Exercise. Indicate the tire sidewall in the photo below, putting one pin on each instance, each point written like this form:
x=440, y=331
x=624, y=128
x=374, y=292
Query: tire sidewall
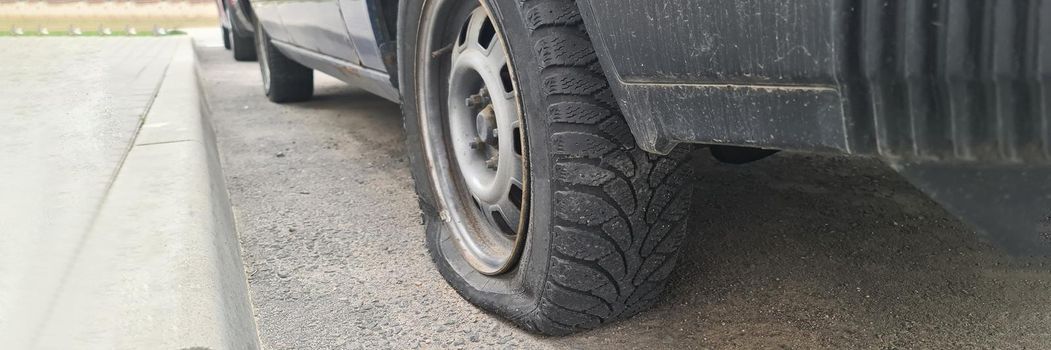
x=226, y=36
x=516, y=294
x=233, y=26
x=262, y=42
x=242, y=45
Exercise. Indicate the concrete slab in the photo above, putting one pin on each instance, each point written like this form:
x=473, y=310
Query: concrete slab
x=155, y=269
x=157, y=265
x=69, y=110
x=168, y=121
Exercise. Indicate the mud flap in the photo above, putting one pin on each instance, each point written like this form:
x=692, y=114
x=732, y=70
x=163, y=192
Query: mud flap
x=1009, y=204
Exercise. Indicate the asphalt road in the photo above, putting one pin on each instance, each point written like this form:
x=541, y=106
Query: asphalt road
x=795, y=251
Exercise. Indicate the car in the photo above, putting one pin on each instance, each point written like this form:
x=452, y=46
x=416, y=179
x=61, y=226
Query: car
x=224, y=22
x=237, y=28
x=550, y=139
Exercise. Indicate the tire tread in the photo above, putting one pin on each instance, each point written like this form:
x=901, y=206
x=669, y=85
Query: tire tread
x=618, y=211
x=242, y=42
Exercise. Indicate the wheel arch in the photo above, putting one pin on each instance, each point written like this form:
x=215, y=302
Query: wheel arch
x=243, y=12
x=384, y=17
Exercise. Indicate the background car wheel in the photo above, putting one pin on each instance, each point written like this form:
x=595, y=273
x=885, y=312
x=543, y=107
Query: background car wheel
x=241, y=41
x=226, y=37
x=601, y=220
x=284, y=80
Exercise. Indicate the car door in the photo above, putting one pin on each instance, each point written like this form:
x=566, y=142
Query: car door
x=268, y=14
x=358, y=17
x=317, y=25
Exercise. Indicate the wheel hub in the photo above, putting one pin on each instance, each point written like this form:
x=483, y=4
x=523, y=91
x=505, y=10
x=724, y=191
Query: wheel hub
x=488, y=140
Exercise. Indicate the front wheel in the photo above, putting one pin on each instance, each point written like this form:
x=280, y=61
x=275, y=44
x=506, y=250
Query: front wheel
x=537, y=203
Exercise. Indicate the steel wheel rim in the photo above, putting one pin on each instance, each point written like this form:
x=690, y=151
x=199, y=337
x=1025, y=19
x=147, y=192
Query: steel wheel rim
x=473, y=133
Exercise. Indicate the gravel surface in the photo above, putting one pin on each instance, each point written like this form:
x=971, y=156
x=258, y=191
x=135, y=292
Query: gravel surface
x=795, y=251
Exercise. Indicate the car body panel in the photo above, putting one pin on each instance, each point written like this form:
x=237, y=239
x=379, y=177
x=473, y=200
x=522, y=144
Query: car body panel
x=238, y=11
x=224, y=20
x=317, y=25
x=316, y=34
x=370, y=80
x=918, y=81
x=955, y=95
x=722, y=71
x=268, y=13
x=360, y=28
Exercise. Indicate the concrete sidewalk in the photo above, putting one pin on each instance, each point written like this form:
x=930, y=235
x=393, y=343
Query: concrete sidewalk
x=114, y=236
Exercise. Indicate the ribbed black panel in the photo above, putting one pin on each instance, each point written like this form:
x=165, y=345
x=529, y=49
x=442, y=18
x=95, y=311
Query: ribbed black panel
x=955, y=80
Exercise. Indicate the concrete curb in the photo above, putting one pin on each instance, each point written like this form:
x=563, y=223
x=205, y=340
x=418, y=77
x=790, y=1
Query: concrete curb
x=161, y=268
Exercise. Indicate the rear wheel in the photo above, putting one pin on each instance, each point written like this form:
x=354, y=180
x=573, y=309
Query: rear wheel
x=241, y=40
x=538, y=205
x=284, y=80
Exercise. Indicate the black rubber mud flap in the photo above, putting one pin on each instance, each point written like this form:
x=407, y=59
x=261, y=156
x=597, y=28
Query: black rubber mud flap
x=1009, y=204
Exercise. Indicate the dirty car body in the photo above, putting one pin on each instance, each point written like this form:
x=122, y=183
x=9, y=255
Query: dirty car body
x=237, y=12
x=955, y=95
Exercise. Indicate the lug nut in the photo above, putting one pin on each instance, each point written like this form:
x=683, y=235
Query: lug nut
x=477, y=143
x=474, y=101
x=493, y=139
x=479, y=99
